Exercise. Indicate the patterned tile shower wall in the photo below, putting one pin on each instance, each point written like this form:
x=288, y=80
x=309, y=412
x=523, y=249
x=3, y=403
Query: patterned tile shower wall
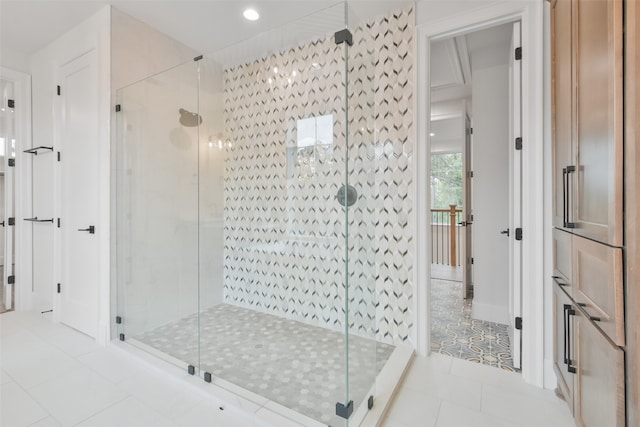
x=284, y=230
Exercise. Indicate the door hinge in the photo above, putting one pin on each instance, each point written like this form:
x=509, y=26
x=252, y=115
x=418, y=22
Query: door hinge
x=121, y=337
x=11, y=221
x=59, y=156
x=470, y=131
x=11, y=103
x=58, y=90
x=197, y=58
x=58, y=287
x=118, y=320
x=518, y=53
x=470, y=174
x=518, y=143
x=344, y=411
x=58, y=222
x=118, y=108
x=471, y=260
x=344, y=36
x=519, y=323
x=518, y=233
x=11, y=280
x=12, y=163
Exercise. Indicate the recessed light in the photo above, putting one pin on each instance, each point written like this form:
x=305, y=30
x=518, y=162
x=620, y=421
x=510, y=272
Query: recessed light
x=432, y=134
x=251, y=14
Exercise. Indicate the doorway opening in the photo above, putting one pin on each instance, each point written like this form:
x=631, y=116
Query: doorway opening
x=476, y=199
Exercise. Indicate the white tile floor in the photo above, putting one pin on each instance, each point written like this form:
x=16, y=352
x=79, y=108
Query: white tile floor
x=52, y=376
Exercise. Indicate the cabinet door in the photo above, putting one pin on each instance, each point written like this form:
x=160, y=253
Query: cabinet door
x=597, y=210
x=561, y=350
x=599, y=392
x=562, y=95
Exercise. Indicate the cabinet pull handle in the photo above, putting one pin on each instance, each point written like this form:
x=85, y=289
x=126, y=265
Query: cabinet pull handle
x=564, y=197
x=570, y=312
x=584, y=309
x=558, y=282
x=564, y=320
x=570, y=170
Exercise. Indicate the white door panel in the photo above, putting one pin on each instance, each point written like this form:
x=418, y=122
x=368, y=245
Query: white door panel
x=78, y=191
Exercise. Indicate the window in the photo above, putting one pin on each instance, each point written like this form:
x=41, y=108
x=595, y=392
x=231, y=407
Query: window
x=446, y=180
x=313, y=149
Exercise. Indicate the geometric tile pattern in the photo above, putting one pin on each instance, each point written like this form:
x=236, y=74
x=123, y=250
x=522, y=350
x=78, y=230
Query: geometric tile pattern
x=297, y=365
x=284, y=232
x=454, y=332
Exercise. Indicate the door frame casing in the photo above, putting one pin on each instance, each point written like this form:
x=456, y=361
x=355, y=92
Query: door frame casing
x=22, y=187
x=530, y=14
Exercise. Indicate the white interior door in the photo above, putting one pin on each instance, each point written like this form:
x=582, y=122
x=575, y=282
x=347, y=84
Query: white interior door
x=515, y=190
x=79, y=193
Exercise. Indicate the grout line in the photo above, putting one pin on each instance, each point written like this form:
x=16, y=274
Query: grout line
x=435, y=424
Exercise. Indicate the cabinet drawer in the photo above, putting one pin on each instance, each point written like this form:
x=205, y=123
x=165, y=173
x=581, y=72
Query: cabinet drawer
x=599, y=389
x=597, y=285
x=562, y=262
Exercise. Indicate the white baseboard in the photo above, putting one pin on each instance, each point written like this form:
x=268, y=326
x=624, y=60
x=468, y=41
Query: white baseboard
x=490, y=312
x=550, y=380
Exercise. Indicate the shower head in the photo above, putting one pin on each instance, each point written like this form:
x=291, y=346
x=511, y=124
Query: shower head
x=189, y=119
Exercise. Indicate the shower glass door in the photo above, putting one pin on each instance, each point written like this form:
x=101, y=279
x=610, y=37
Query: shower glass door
x=272, y=233
x=361, y=204
x=158, y=215
x=241, y=256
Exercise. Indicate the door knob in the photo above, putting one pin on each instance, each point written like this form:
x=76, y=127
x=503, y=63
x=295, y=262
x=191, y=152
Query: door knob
x=91, y=229
x=505, y=232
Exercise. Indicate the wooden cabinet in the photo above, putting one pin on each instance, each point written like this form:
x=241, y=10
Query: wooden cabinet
x=587, y=125
x=587, y=118
x=561, y=110
x=597, y=285
x=589, y=367
x=562, y=258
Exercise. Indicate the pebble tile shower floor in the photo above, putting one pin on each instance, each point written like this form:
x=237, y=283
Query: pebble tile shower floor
x=294, y=364
x=455, y=333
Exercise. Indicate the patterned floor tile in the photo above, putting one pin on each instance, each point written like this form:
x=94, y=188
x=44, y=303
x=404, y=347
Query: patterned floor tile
x=297, y=365
x=454, y=332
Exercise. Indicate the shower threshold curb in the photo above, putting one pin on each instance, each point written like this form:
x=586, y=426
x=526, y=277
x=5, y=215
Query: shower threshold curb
x=266, y=413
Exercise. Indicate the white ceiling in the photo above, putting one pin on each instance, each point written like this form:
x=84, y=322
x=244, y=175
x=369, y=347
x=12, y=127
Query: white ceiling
x=453, y=60
x=206, y=25
x=448, y=135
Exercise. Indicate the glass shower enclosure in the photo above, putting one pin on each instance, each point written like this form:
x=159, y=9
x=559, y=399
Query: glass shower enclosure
x=245, y=229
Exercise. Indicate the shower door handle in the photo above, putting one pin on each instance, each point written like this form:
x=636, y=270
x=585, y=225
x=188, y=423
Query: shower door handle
x=91, y=229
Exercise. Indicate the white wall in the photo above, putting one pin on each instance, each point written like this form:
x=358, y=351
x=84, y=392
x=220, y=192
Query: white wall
x=139, y=50
x=490, y=192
